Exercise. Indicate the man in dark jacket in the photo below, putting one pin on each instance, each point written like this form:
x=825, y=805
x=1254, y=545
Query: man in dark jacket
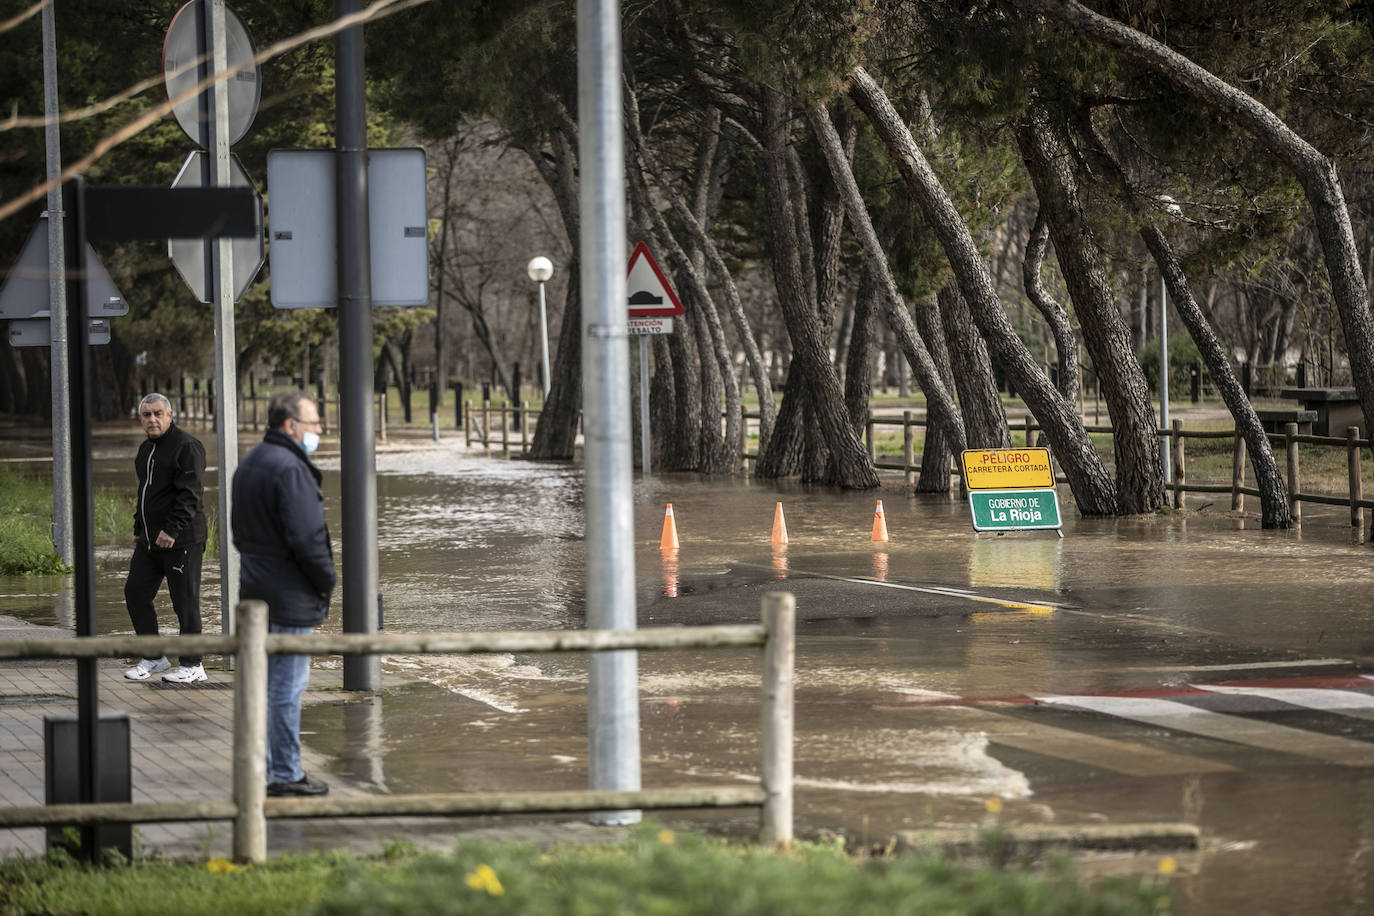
x=169, y=535
x=285, y=559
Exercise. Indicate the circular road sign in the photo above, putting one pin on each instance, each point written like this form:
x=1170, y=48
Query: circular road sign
x=186, y=64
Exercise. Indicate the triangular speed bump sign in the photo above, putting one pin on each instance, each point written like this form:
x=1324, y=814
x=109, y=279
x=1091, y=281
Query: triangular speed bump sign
x=25, y=290
x=649, y=292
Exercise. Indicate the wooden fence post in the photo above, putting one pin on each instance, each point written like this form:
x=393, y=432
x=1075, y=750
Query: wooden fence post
x=779, y=656
x=1176, y=433
x=1238, y=474
x=467, y=423
x=1352, y=451
x=250, y=732
x=908, y=448
x=505, y=429
x=524, y=427
x=1290, y=435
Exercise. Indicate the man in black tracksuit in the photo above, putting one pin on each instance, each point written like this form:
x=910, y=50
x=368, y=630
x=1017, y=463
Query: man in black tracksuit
x=169, y=535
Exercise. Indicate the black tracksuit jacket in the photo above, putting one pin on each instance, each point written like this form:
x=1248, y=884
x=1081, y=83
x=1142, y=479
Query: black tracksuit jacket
x=171, y=471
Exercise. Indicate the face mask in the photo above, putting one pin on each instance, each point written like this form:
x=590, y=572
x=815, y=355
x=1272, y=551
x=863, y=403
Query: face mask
x=310, y=442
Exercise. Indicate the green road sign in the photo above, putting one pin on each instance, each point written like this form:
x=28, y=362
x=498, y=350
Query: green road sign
x=1013, y=510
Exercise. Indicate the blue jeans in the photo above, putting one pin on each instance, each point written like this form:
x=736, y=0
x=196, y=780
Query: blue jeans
x=287, y=678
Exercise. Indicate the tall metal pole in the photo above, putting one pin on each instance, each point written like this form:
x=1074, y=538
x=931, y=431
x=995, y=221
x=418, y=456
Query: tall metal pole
x=222, y=291
x=544, y=337
x=359, y=465
x=57, y=303
x=613, y=690
x=83, y=510
x=1164, y=378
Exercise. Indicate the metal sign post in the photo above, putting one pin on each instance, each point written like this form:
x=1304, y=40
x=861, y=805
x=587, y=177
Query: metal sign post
x=205, y=39
x=57, y=303
x=359, y=479
x=613, y=688
x=117, y=214
x=226, y=362
x=652, y=303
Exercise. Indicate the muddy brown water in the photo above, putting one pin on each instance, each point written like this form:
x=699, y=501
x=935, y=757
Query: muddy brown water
x=898, y=645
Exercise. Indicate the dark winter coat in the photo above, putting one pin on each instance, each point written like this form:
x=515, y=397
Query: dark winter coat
x=285, y=555
x=170, y=472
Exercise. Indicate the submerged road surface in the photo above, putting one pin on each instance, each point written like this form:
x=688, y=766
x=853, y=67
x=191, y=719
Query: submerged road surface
x=1182, y=667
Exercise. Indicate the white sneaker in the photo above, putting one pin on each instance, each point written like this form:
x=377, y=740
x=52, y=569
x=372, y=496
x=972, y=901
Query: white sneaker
x=149, y=666
x=184, y=674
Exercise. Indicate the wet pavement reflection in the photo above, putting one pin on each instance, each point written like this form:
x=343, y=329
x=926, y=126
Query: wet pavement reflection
x=917, y=659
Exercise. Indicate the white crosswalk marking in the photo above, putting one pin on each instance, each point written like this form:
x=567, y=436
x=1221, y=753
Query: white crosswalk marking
x=1254, y=733
x=1107, y=753
x=1346, y=702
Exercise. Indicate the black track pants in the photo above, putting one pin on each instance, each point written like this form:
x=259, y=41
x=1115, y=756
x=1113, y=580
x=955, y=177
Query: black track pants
x=180, y=566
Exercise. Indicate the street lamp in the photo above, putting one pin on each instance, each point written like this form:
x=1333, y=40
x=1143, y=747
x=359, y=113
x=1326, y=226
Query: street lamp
x=540, y=269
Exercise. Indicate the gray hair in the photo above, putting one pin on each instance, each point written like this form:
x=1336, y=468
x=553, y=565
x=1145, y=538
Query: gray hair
x=154, y=398
x=286, y=405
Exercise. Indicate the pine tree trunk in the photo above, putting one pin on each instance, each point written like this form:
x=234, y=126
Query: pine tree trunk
x=682, y=440
x=1092, y=488
x=783, y=456
x=724, y=456
x=1135, y=438
x=1273, y=493
x=1065, y=343
x=858, y=382
x=941, y=410
x=663, y=403
x=1274, y=512
x=985, y=420
x=703, y=247
x=555, y=435
x=937, y=454
x=791, y=270
x=1317, y=174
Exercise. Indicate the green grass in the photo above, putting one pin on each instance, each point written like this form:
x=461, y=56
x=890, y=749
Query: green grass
x=655, y=871
x=26, y=546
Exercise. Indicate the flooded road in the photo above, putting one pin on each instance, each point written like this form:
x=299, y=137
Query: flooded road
x=933, y=672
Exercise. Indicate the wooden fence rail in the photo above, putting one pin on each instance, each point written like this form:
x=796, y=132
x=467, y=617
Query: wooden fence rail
x=480, y=425
x=1285, y=443
x=249, y=808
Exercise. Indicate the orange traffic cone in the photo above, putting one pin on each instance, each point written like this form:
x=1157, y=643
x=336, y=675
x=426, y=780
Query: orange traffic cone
x=779, y=526
x=669, y=539
x=879, y=523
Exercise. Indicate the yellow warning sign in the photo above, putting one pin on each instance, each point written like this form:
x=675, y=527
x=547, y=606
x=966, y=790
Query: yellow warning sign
x=1008, y=469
